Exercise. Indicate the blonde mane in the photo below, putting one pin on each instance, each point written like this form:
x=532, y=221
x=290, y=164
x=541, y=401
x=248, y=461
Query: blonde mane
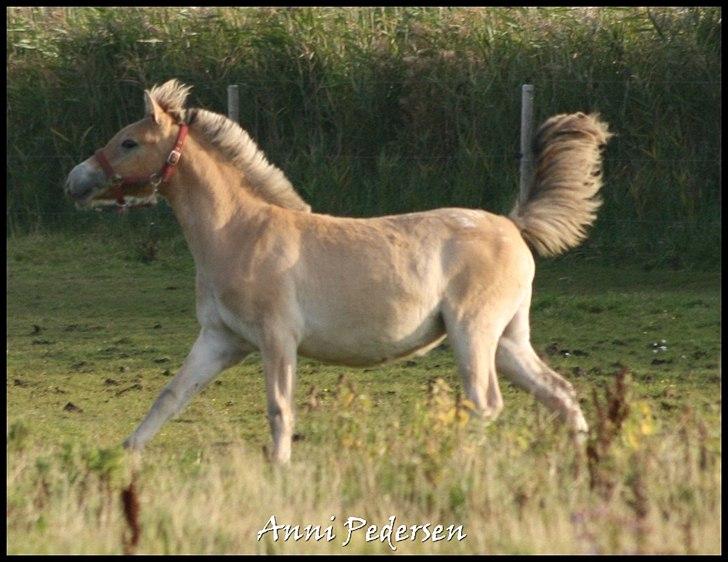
x=265, y=180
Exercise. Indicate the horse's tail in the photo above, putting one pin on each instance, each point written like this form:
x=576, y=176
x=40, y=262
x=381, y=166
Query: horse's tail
x=562, y=200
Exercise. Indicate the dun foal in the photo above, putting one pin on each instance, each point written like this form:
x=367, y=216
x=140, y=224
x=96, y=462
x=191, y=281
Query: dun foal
x=272, y=276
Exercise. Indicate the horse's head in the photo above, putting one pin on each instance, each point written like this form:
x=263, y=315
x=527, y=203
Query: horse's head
x=135, y=160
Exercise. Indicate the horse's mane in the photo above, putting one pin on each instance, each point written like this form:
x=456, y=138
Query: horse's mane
x=266, y=180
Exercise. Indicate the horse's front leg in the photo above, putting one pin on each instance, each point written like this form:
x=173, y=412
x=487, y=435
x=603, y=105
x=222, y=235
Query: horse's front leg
x=278, y=353
x=214, y=351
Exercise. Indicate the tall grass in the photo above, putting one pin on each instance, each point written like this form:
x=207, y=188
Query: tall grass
x=522, y=489
x=384, y=110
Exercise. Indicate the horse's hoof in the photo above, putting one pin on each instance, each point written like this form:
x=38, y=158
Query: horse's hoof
x=131, y=445
x=580, y=437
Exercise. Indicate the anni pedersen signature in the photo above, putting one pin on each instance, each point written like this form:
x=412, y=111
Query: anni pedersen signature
x=390, y=532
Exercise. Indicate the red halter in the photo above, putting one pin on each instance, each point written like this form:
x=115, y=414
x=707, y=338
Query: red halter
x=119, y=182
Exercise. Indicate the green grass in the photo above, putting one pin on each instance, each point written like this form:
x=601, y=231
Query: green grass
x=92, y=324
x=381, y=110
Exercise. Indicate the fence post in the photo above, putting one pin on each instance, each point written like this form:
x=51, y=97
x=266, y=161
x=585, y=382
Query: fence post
x=233, y=102
x=526, y=140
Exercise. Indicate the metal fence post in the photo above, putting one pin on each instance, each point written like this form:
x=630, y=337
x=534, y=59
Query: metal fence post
x=526, y=167
x=233, y=102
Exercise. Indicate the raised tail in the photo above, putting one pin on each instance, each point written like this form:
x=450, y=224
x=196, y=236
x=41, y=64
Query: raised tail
x=563, y=199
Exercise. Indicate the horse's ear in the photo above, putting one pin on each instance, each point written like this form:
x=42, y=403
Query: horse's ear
x=151, y=108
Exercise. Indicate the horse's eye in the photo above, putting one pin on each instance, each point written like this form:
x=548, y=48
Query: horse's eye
x=128, y=143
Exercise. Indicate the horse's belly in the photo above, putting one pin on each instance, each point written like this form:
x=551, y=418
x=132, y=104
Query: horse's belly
x=371, y=345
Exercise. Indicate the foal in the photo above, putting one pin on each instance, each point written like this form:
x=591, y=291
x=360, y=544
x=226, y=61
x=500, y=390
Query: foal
x=272, y=276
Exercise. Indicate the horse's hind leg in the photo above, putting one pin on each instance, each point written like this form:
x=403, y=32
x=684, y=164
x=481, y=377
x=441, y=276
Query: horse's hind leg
x=516, y=359
x=474, y=345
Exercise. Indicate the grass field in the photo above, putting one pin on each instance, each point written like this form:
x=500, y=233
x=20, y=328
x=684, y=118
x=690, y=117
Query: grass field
x=95, y=329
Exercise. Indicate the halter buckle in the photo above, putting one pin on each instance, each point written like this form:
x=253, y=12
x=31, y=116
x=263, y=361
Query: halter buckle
x=123, y=204
x=174, y=157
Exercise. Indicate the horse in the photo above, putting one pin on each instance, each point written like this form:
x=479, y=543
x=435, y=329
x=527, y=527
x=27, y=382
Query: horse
x=273, y=276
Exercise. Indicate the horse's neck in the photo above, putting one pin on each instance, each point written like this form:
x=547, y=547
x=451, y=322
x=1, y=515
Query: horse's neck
x=212, y=205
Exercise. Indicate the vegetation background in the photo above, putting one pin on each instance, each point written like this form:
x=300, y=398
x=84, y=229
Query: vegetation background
x=385, y=110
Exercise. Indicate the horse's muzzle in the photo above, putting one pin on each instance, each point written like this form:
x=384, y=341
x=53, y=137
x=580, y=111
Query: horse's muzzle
x=83, y=182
